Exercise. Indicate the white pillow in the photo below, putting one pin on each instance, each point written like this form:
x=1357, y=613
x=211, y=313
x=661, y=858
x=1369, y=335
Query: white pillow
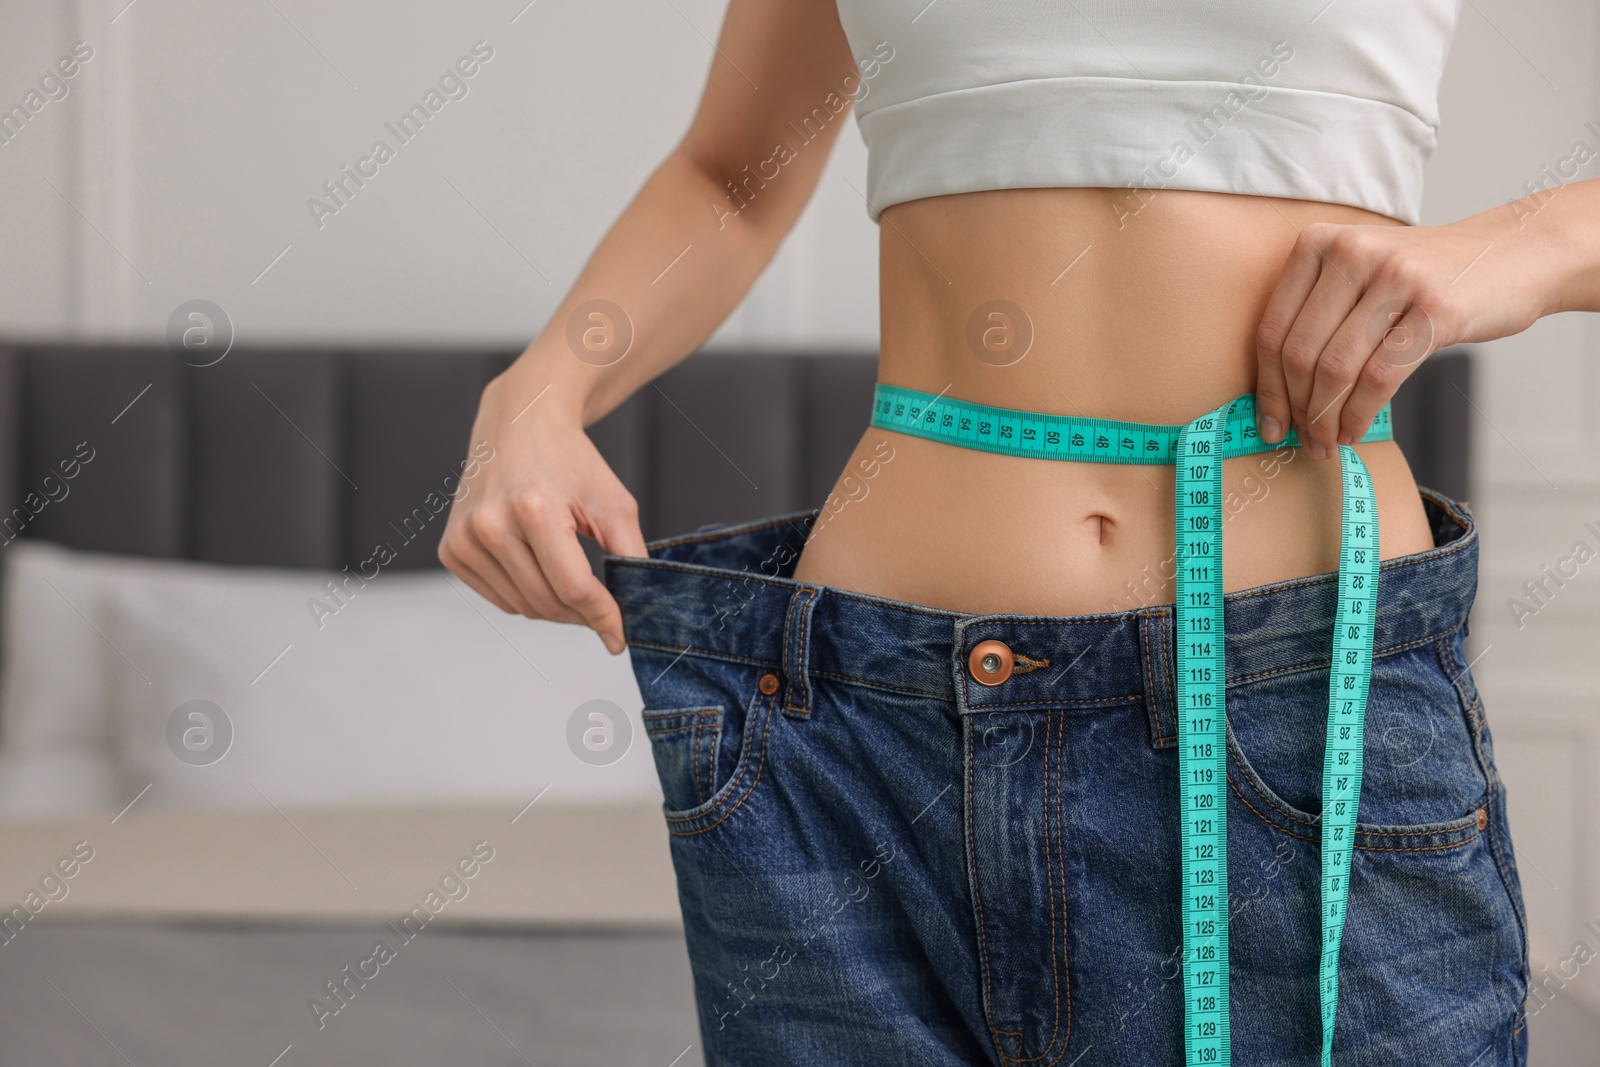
x=55, y=722
x=414, y=689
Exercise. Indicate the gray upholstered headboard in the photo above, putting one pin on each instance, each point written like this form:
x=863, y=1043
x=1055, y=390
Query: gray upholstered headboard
x=311, y=457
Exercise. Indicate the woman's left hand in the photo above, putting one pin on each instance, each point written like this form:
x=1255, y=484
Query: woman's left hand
x=1358, y=308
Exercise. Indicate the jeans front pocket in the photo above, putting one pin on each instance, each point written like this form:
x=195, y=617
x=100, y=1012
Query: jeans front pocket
x=684, y=744
x=1421, y=779
x=707, y=720
x=1431, y=955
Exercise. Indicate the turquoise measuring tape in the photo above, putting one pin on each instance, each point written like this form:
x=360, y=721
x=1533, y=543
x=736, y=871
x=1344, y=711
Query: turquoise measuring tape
x=1197, y=451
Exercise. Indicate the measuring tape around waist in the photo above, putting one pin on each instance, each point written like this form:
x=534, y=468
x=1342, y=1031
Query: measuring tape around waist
x=1197, y=451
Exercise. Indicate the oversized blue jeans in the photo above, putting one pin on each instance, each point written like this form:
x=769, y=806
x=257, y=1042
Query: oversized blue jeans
x=881, y=861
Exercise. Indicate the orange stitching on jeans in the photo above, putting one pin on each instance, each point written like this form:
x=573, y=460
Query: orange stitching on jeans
x=1474, y=704
x=1023, y=664
x=788, y=624
x=674, y=729
x=708, y=653
x=1281, y=829
x=744, y=771
x=1057, y=929
x=771, y=704
x=1050, y=889
x=1418, y=848
x=1169, y=675
x=1359, y=834
x=836, y=676
x=1059, y=949
x=1009, y=705
x=1248, y=775
x=804, y=658
x=1156, y=696
x=701, y=736
x=1318, y=664
x=1093, y=620
x=977, y=899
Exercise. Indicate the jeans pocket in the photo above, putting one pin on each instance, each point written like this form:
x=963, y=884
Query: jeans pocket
x=684, y=743
x=707, y=721
x=1423, y=785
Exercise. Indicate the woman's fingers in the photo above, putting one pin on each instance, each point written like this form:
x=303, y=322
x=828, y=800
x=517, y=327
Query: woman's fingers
x=617, y=527
x=1324, y=311
x=517, y=556
x=1335, y=353
x=1300, y=271
x=1345, y=359
x=553, y=535
x=457, y=565
x=1406, y=341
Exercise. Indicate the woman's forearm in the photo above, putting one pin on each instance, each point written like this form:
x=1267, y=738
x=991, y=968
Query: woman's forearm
x=1563, y=223
x=669, y=271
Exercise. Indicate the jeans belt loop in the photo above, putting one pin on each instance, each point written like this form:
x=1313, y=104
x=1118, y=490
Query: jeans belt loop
x=797, y=652
x=1156, y=653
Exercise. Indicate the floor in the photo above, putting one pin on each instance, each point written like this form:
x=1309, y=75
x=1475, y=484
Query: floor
x=89, y=994
x=110, y=994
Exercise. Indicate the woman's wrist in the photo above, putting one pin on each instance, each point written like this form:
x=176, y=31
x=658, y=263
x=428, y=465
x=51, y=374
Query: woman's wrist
x=1556, y=240
x=555, y=383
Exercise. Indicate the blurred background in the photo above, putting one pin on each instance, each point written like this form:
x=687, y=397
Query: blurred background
x=245, y=709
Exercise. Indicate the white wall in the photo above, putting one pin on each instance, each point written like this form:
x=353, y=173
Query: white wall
x=1522, y=82
x=194, y=137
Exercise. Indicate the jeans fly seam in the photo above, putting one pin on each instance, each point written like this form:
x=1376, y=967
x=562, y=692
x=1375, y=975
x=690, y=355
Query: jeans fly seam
x=977, y=899
x=1059, y=949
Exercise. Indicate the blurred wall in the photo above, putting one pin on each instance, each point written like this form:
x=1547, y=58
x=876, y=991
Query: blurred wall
x=1521, y=92
x=180, y=162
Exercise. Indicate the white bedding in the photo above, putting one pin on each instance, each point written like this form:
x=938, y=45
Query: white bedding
x=411, y=690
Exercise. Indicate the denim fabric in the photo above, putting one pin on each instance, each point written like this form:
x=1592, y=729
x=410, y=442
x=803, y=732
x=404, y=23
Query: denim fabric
x=882, y=862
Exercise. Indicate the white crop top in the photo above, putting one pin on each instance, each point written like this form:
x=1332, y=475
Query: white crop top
x=1309, y=99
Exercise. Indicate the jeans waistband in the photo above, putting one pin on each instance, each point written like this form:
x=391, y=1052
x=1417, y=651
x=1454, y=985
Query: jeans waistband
x=726, y=592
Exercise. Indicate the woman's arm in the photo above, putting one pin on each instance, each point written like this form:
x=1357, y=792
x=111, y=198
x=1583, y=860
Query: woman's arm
x=1359, y=307
x=669, y=271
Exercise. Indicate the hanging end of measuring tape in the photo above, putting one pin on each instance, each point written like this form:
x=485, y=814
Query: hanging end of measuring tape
x=1349, y=685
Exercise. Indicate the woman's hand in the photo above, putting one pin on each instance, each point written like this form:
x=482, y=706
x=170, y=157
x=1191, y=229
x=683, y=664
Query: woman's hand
x=1358, y=308
x=513, y=529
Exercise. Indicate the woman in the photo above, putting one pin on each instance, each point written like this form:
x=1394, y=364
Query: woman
x=922, y=755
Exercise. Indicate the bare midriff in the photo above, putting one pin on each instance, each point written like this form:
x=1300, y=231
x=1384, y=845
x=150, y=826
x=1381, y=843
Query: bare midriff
x=1137, y=307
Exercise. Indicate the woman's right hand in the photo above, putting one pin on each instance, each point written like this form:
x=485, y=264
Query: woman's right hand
x=514, y=524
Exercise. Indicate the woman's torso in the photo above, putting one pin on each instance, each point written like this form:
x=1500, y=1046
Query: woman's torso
x=1133, y=305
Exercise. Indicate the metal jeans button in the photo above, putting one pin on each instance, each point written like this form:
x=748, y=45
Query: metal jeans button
x=990, y=662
